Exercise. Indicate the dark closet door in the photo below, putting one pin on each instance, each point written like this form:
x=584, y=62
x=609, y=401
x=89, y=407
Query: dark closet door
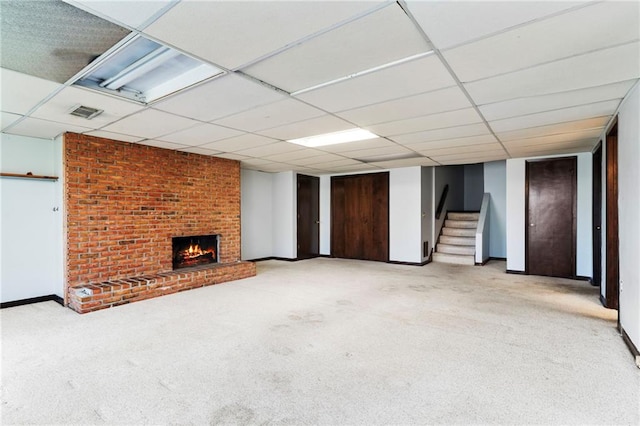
x=360, y=216
x=308, y=206
x=597, y=215
x=551, y=217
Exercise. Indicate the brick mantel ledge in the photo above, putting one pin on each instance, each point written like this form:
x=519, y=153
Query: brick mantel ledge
x=95, y=296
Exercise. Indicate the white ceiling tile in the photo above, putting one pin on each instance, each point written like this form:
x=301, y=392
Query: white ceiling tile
x=275, y=167
x=8, y=119
x=21, y=92
x=427, y=122
x=461, y=149
x=234, y=33
x=434, y=102
x=114, y=136
x=312, y=127
x=200, y=150
x=378, y=152
x=552, y=129
x=417, y=76
x=271, y=149
x=379, y=38
x=579, y=72
x=477, y=129
x=307, y=170
x=533, y=104
x=257, y=162
x=556, y=116
x=45, y=129
x=448, y=23
x=474, y=159
x=272, y=115
x=408, y=162
x=582, y=30
x=238, y=143
x=498, y=153
x=361, y=167
x=295, y=155
x=58, y=107
x=150, y=124
x=358, y=145
x=589, y=134
x=232, y=156
x=447, y=143
x=162, y=144
x=342, y=162
x=131, y=13
x=320, y=159
x=201, y=134
x=551, y=149
x=218, y=98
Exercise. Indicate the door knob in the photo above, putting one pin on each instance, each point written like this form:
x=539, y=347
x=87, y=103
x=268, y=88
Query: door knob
x=598, y=228
x=532, y=224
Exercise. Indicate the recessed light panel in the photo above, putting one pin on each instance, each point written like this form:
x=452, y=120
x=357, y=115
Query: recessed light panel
x=351, y=135
x=144, y=71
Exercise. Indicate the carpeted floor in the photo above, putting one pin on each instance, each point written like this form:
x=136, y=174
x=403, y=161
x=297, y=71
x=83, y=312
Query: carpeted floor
x=328, y=341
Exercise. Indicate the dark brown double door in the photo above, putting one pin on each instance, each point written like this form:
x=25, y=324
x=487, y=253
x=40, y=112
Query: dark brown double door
x=360, y=216
x=551, y=217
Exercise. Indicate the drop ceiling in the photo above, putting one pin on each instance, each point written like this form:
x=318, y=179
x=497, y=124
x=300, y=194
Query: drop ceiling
x=439, y=82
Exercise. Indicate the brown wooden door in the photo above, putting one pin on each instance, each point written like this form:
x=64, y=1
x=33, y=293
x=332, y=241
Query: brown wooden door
x=612, y=243
x=597, y=215
x=308, y=206
x=360, y=216
x=551, y=212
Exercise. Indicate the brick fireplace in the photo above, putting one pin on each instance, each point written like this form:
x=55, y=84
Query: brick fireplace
x=126, y=204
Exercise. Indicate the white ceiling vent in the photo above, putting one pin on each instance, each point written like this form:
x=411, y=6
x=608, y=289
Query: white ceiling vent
x=85, y=111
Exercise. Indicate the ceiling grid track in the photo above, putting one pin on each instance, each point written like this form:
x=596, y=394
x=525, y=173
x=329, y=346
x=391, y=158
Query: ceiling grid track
x=437, y=52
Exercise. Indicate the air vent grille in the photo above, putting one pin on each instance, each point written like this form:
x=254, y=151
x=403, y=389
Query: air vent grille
x=85, y=112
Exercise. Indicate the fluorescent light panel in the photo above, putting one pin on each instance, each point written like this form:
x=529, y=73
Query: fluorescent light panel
x=145, y=71
x=345, y=136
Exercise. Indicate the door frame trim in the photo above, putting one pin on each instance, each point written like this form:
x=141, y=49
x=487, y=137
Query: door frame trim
x=574, y=219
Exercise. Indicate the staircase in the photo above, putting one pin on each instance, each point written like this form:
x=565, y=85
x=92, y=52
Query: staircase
x=457, y=242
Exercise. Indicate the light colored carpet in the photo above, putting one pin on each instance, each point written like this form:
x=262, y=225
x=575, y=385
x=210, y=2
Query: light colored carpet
x=328, y=341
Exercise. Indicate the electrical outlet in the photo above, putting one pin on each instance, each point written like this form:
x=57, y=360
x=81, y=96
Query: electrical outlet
x=621, y=286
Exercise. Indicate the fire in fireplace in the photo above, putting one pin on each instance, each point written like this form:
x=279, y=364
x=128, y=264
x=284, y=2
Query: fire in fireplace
x=194, y=250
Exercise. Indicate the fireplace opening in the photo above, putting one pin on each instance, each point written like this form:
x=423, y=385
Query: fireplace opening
x=194, y=250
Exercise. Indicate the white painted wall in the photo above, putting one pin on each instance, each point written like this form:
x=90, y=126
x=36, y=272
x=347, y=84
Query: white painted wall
x=628, y=214
x=256, y=214
x=284, y=215
x=495, y=183
x=473, y=186
x=325, y=215
x=405, y=215
x=515, y=171
x=428, y=208
x=28, y=222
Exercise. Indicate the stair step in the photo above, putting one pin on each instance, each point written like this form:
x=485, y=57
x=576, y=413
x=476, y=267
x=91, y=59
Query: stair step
x=458, y=241
x=463, y=215
x=461, y=223
x=452, y=249
x=454, y=258
x=459, y=232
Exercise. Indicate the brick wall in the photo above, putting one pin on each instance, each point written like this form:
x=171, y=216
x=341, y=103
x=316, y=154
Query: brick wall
x=124, y=203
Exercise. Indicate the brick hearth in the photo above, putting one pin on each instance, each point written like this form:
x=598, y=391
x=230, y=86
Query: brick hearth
x=124, y=203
